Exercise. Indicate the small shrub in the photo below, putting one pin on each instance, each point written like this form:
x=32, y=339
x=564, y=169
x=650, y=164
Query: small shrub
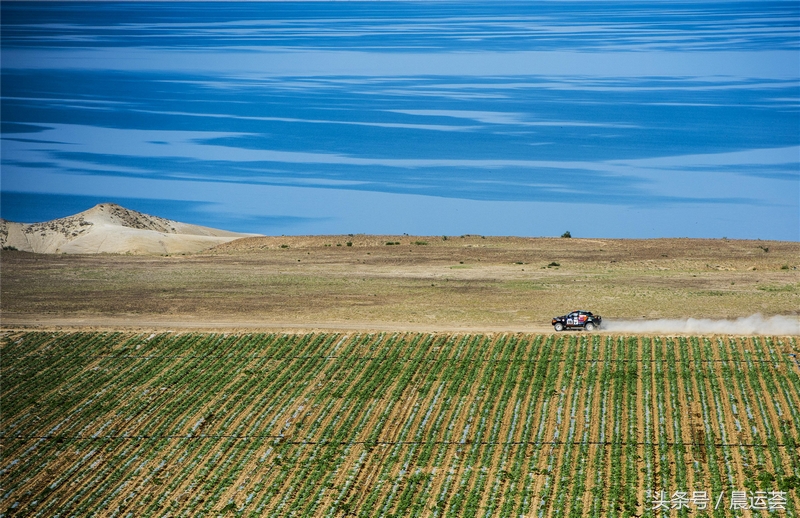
x=764, y=248
x=553, y=264
x=785, y=267
x=284, y=246
x=9, y=247
x=349, y=243
x=566, y=234
x=771, y=288
x=444, y=238
x=420, y=242
x=392, y=243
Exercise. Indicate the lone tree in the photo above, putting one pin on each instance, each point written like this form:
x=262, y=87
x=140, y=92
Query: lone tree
x=566, y=234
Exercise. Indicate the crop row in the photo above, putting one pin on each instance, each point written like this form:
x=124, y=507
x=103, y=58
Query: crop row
x=390, y=424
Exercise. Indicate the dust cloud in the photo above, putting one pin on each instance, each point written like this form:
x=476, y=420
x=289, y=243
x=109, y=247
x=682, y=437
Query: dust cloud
x=752, y=325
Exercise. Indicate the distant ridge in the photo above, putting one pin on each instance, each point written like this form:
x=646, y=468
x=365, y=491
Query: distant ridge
x=111, y=228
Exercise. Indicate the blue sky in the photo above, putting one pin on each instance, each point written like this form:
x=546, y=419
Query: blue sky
x=608, y=119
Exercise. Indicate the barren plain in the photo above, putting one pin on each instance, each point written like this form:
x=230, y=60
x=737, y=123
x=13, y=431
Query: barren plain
x=433, y=283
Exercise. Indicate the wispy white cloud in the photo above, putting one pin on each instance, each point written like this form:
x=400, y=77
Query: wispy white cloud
x=73, y=101
x=271, y=62
x=95, y=149
x=486, y=117
x=201, y=145
x=509, y=118
x=399, y=125
x=771, y=156
x=703, y=25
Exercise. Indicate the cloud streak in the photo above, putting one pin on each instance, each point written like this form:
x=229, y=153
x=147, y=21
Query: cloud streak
x=267, y=62
x=227, y=157
x=589, y=26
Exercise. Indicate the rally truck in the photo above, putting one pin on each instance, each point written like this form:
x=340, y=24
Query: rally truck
x=577, y=320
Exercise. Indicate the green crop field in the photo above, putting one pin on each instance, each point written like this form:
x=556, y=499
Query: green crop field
x=398, y=424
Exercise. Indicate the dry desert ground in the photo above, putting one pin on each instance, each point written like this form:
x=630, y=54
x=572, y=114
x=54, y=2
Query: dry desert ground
x=432, y=283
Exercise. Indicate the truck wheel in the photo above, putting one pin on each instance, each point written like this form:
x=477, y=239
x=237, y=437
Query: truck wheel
x=589, y=327
x=559, y=326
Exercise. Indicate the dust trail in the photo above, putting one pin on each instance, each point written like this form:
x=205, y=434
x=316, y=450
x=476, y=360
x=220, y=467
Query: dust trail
x=752, y=325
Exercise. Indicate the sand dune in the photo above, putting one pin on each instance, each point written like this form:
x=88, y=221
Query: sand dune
x=110, y=228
